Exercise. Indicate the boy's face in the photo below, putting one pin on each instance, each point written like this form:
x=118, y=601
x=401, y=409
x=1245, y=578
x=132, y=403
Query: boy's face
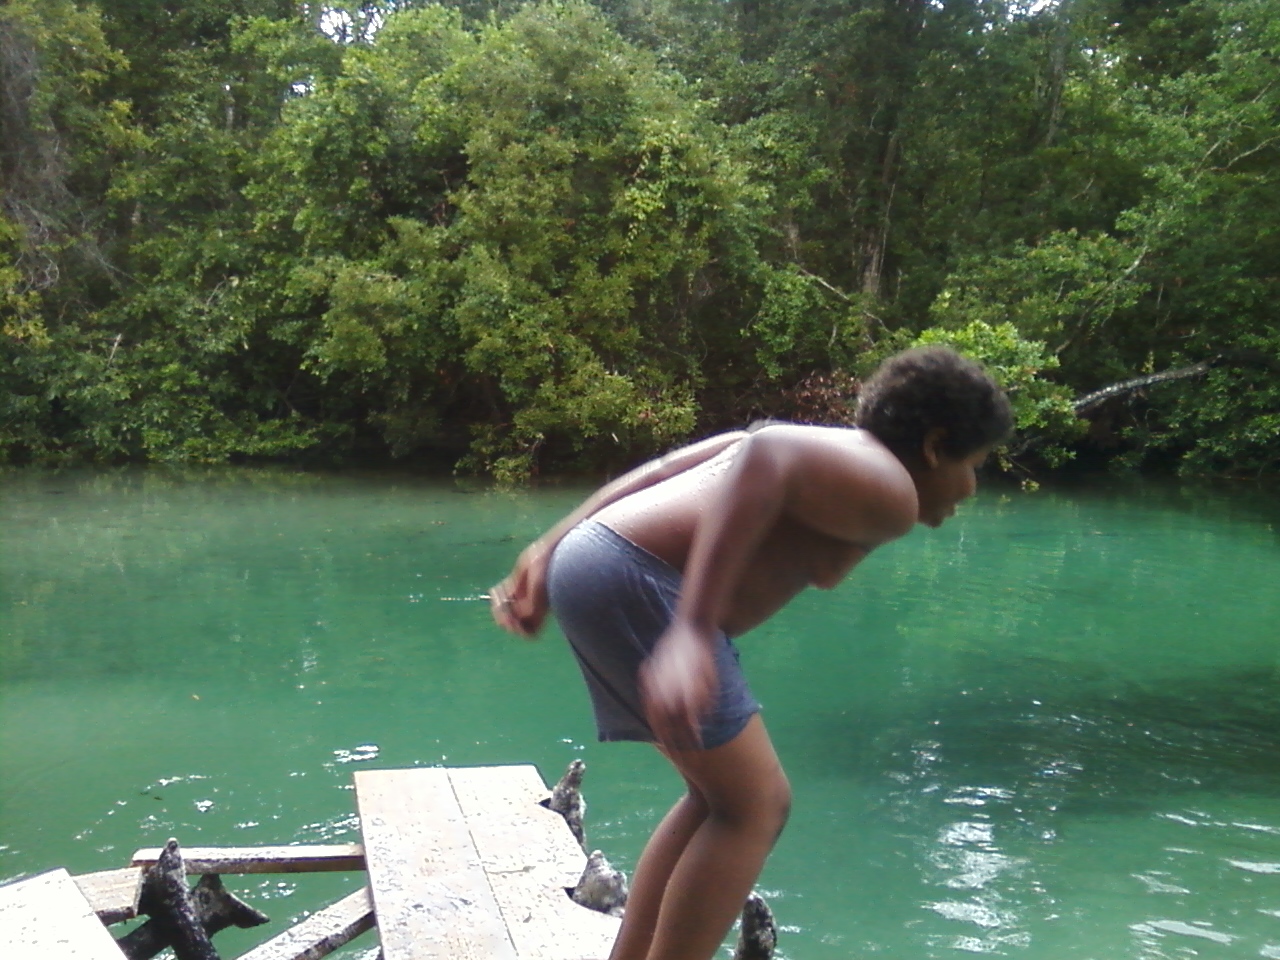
x=944, y=482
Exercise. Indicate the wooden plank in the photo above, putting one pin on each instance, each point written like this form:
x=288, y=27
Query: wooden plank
x=321, y=933
x=530, y=857
x=430, y=893
x=48, y=918
x=113, y=894
x=315, y=858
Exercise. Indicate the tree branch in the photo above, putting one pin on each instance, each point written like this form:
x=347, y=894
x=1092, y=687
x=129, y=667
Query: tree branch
x=1089, y=401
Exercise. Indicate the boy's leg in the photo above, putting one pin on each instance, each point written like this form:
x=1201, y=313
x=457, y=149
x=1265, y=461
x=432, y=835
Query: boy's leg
x=653, y=872
x=747, y=800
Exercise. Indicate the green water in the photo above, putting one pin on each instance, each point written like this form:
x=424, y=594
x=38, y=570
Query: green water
x=1049, y=730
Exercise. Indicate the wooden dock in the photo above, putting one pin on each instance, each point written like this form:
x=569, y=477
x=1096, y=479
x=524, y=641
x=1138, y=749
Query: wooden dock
x=463, y=863
x=49, y=917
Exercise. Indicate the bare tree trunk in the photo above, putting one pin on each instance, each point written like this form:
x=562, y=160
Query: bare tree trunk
x=871, y=253
x=1057, y=73
x=315, y=12
x=35, y=189
x=877, y=234
x=33, y=186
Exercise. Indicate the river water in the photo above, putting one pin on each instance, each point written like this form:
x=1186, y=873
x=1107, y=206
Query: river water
x=1050, y=729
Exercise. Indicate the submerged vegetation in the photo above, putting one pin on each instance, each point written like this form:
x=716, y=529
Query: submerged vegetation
x=563, y=235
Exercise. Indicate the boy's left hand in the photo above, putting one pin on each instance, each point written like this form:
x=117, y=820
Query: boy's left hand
x=519, y=604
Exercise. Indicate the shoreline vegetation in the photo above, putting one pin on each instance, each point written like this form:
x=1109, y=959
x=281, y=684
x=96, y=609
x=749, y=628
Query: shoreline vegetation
x=539, y=239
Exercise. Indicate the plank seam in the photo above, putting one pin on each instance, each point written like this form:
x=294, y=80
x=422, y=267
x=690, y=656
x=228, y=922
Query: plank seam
x=475, y=847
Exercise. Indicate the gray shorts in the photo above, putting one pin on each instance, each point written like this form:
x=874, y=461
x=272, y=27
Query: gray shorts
x=613, y=601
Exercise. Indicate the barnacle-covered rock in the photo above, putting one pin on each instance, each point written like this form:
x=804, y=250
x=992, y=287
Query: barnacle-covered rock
x=601, y=887
x=758, y=936
x=567, y=800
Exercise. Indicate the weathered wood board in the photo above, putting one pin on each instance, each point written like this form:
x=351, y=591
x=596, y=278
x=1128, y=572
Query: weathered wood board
x=429, y=889
x=530, y=857
x=316, y=858
x=466, y=862
x=47, y=918
x=113, y=894
x=321, y=933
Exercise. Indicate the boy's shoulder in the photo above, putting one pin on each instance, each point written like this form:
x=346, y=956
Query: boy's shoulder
x=853, y=442
x=845, y=477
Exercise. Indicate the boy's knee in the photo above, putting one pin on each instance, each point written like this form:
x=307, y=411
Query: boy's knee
x=764, y=809
x=774, y=808
x=781, y=806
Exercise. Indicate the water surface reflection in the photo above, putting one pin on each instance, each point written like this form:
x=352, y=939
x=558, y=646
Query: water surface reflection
x=1048, y=730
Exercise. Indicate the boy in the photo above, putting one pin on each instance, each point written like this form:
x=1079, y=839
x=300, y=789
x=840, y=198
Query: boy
x=655, y=572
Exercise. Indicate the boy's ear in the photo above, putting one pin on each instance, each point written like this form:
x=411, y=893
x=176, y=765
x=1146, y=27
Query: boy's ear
x=931, y=449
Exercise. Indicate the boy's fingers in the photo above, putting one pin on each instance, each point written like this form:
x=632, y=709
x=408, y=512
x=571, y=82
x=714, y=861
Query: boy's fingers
x=502, y=606
x=677, y=729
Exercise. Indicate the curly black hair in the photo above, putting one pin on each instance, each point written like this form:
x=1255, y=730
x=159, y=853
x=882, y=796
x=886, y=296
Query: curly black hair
x=925, y=388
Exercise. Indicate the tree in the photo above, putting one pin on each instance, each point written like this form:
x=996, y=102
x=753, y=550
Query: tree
x=1207, y=246
x=568, y=234
x=519, y=228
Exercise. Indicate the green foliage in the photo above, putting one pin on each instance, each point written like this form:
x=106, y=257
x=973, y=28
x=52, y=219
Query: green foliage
x=1206, y=229
x=568, y=234
x=57, y=134
x=19, y=303
x=505, y=225
x=23, y=340
x=800, y=327
x=1064, y=290
x=1225, y=423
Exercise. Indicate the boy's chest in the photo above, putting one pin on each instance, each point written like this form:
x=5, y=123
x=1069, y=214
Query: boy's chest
x=790, y=558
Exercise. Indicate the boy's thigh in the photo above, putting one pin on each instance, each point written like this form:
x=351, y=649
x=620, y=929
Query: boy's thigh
x=743, y=776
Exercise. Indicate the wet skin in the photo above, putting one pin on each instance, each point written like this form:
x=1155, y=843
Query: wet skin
x=750, y=520
x=791, y=555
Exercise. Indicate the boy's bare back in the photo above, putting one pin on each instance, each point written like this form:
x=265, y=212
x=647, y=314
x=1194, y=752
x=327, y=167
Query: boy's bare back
x=793, y=552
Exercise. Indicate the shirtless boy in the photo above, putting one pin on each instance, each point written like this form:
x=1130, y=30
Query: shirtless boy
x=651, y=576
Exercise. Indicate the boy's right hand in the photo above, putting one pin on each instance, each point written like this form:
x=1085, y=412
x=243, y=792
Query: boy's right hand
x=679, y=685
x=519, y=604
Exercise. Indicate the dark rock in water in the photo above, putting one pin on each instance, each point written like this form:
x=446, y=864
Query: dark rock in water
x=215, y=907
x=601, y=888
x=219, y=908
x=758, y=936
x=167, y=899
x=567, y=800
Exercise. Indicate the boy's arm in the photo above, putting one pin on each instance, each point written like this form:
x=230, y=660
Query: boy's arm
x=816, y=477
x=519, y=603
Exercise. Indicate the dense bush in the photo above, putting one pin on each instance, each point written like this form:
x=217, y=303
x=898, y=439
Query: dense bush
x=564, y=235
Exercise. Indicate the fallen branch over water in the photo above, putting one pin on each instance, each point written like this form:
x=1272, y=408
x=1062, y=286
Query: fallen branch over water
x=1089, y=401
